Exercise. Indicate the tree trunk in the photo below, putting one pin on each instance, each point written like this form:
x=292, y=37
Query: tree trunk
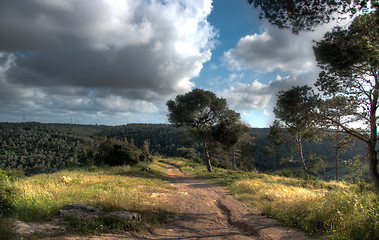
x=300, y=148
x=207, y=159
x=371, y=145
x=373, y=167
x=234, y=159
x=337, y=163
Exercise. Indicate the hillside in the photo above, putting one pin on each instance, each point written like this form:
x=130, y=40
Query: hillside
x=36, y=147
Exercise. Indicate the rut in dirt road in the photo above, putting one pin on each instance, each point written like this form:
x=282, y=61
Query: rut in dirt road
x=207, y=211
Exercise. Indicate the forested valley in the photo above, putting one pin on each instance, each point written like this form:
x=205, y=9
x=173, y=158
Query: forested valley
x=38, y=147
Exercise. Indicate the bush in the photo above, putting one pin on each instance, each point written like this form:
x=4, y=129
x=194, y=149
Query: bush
x=188, y=153
x=7, y=193
x=284, y=173
x=115, y=152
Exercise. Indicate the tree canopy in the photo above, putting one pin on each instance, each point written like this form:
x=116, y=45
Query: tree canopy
x=293, y=113
x=207, y=117
x=300, y=15
x=349, y=81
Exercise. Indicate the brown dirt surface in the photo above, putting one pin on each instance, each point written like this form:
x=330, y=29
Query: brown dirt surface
x=206, y=211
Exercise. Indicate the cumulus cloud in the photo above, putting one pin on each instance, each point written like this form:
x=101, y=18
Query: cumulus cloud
x=271, y=50
x=100, y=55
x=275, y=49
x=246, y=97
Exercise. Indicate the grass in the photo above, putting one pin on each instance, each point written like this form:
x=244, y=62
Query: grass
x=337, y=210
x=41, y=196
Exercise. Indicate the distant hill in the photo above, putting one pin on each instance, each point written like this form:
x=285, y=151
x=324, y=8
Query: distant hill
x=35, y=147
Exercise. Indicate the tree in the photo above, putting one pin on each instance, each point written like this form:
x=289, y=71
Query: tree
x=300, y=15
x=114, y=152
x=207, y=117
x=349, y=59
x=293, y=114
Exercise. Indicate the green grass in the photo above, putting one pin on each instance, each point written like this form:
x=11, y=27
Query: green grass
x=40, y=197
x=339, y=210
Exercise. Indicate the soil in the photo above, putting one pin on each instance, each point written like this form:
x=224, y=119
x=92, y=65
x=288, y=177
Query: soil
x=206, y=211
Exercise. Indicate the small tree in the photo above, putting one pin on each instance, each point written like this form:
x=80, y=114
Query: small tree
x=114, y=152
x=293, y=116
x=207, y=117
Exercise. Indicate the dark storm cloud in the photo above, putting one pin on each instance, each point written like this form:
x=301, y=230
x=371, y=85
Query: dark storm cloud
x=96, y=52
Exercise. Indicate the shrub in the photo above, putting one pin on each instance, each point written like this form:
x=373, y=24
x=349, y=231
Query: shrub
x=188, y=153
x=115, y=152
x=7, y=193
x=284, y=173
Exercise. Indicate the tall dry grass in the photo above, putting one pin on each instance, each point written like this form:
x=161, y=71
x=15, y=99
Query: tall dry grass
x=340, y=210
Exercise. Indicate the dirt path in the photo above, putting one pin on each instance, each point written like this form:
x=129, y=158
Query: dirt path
x=207, y=211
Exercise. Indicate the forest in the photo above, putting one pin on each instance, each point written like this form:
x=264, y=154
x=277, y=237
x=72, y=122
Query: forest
x=40, y=147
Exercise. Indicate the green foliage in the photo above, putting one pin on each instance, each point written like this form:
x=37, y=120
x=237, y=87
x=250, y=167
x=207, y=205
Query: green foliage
x=36, y=147
x=7, y=191
x=188, y=153
x=349, y=81
x=306, y=15
x=207, y=118
x=164, y=138
x=293, y=110
x=284, y=173
x=114, y=152
x=7, y=194
x=295, y=122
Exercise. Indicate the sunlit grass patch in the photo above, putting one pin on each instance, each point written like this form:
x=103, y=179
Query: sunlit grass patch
x=40, y=197
x=334, y=208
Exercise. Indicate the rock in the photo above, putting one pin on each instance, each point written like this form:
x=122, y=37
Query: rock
x=81, y=207
x=123, y=215
x=147, y=169
x=79, y=211
x=88, y=212
x=23, y=228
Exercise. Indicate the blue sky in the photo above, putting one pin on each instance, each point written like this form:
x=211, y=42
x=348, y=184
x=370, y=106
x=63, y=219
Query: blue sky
x=115, y=62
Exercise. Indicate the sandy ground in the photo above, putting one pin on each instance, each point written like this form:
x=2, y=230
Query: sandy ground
x=207, y=211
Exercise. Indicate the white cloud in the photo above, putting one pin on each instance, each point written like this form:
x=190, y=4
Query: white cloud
x=101, y=55
x=247, y=96
x=258, y=95
x=275, y=49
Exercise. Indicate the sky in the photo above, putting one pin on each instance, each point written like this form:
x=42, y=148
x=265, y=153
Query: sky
x=114, y=62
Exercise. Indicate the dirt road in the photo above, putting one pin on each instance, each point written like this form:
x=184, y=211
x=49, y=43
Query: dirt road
x=207, y=211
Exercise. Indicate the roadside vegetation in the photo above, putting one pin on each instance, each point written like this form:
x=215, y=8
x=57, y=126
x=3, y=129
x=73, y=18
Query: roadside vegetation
x=119, y=188
x=338, y=210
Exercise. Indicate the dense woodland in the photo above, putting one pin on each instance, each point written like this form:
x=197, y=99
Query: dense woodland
x=36, y=147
